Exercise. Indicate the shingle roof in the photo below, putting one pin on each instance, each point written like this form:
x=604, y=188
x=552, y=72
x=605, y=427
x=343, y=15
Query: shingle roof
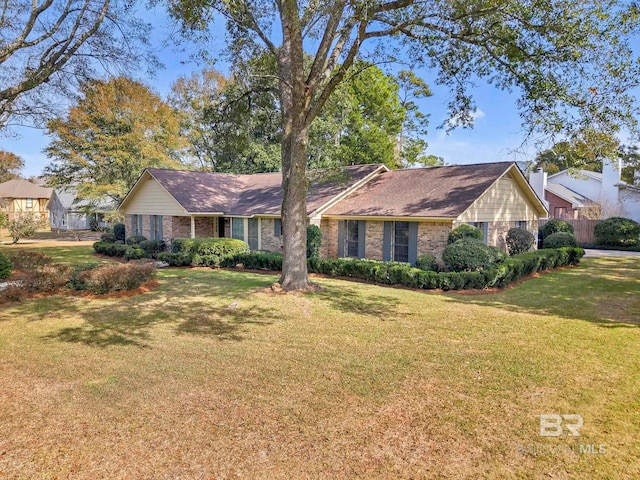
x=439, y=192
x=20, y=188
x=577, y=200
x=246, y=195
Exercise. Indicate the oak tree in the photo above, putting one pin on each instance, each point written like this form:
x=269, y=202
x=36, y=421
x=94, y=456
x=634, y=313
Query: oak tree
x=570, y=61
x=116, y=130
x=10, y=166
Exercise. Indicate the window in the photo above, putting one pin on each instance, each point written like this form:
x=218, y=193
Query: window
x=155, y=231
x=277, y=227
x=351, y=238
x=253, y=233
x=29, y=203
x=400, y=245
x=136, y=225
x=522, y=224
x=560, y=212
x=400, y=242
x=483, y=227
x=237, y=228
x=248, y=230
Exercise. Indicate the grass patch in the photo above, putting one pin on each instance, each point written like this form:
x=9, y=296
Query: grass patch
x=212, y=375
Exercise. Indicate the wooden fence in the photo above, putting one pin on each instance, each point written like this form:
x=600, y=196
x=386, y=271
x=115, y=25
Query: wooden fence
x=582, y=229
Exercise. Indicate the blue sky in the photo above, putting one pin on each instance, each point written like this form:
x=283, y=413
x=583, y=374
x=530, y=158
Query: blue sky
x=497, y=135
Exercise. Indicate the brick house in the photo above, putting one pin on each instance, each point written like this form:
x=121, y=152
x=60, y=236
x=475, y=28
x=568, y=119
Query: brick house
x=365, y=211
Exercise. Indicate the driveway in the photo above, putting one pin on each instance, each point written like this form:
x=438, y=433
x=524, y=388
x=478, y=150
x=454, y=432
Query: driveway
x=592, y=252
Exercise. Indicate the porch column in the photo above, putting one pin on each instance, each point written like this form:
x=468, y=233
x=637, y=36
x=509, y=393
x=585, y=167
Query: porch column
x=193, y=226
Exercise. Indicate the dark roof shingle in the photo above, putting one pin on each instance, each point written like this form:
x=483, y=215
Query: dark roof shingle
x=438, y=192
x=246, y=195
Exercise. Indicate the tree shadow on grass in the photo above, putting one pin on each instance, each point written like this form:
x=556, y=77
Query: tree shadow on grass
x=130, y=325
x=603, y=291
x=351, y=300
x=226, y=323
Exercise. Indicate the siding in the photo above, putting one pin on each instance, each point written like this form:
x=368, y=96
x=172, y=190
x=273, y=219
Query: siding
x=503, y=202
x=151, y=199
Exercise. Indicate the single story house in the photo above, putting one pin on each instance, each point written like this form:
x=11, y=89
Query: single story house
x=576, y=194
x=368, y=211
x=20, y=196
x=69, y=214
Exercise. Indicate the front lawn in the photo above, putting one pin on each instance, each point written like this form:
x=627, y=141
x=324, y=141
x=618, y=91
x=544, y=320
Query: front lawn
x=211, y=375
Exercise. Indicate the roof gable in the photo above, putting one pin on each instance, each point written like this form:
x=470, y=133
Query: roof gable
x=245, y=195
x=438, y=192
x=20, y=188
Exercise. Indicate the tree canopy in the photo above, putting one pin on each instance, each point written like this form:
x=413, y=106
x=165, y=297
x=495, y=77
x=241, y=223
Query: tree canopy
x=48, y=47
x=234, y=123
x=10, y=166
x=569, y=60
x=116, y=129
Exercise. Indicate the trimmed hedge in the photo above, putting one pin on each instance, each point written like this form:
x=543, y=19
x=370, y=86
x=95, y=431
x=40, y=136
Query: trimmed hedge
x=470, y=254
x=617, y=231
x=519, y=241
x=560, y=240
x=427, y=262
x=110, y=249
x=394, y=273
x=554, y=226
x=221, y=247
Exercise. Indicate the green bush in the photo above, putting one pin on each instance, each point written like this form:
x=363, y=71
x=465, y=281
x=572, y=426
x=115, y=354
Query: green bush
x=257, y=260
x=427, y=262
x=152, y=247
x=133, y=253
x=119, y=231
x=314, y=240
x=110, y=249
x=175, y=259
x=115, y=277
x=28, y=260
x=560, y=240
x=618, y=231
x=470, y=254
x=519, y=241
x=215, y=250
x=554, y=226
x=464, y=231
x=135, y=239
x=5, y=266
x=108, y=237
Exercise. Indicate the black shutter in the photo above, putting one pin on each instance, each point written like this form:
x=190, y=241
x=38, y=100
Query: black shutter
x=362, y=230
x=413, y=242
x=341, y=225
x=386, y=241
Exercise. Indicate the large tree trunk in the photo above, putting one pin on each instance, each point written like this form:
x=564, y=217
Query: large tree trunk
x=294, y=103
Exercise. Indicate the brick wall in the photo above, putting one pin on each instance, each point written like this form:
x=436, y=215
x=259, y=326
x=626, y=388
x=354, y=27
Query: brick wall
x=268, y=241
x=180, y=227
x=432, y=237
x=204, y=227
x=373, y=240
x=329, y=245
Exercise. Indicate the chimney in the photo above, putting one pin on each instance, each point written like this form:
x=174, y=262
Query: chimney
x=538, y=181
x=610, y=180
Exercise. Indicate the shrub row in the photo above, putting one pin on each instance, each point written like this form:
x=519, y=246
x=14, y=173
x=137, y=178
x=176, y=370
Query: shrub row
x=5, y=266
x=111, y=278
x=395, y=273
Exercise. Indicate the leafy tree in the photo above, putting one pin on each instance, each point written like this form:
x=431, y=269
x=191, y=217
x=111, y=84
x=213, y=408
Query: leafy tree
x=116, y=129
x=24, y=226
x=47, y=47
x=570, y=61
x=10, y=165
x=411, y=146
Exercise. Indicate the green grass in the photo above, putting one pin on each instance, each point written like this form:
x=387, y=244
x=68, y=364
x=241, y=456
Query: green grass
x=63, y=252
x=211, y=375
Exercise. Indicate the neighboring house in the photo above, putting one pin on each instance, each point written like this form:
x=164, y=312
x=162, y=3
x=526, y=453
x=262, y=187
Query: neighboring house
x=67, y=214
x=371, y=212
x=20, y=196
x=585, y=194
